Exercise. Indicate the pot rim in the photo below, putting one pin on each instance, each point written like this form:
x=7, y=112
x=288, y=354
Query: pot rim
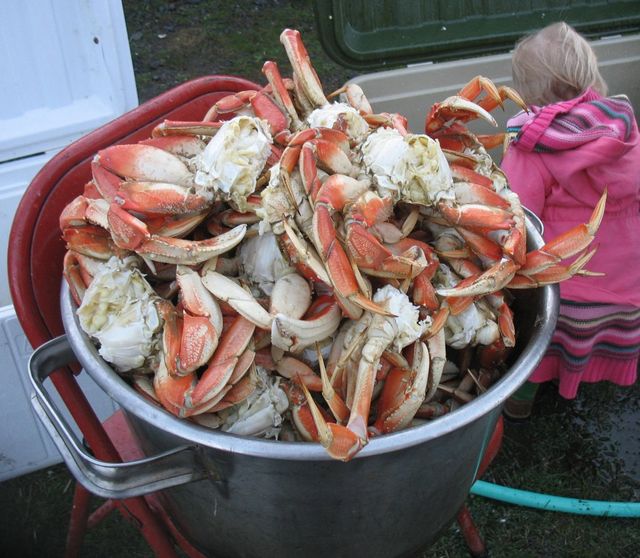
x=123, y=394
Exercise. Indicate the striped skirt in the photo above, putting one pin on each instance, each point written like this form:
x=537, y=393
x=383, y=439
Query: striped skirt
x=593, y=342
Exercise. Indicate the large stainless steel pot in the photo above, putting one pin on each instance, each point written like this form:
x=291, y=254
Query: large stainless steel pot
x=242, y=497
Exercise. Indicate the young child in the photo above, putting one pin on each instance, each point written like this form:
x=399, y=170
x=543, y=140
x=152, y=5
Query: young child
x=574, y=143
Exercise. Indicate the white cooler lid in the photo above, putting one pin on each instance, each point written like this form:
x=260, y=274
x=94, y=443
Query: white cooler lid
x=66, y=69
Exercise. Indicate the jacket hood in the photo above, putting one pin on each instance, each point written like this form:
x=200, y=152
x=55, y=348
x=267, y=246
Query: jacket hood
x=590, y=137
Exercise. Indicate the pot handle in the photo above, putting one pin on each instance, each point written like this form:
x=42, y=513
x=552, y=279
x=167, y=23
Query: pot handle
x=108, y=480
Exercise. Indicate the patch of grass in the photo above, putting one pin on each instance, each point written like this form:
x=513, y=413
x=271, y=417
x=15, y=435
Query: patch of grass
x=36, y=510
x=565, y=449
x=172, y=42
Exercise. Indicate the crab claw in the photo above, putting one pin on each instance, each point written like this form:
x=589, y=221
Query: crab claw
x=131, y=233
x=146, y=163
x=232, y=345
x=567, y=244
x=340, y=442
x=355, y=97
x=493, y=279
x=183, y=145
x=456, y=107
x=553, y=274
x=293, y=335
x=239, y=299
x=437, y=358
x=158, y=197
x=403, y=392
x=190, y=252
x=202, y=321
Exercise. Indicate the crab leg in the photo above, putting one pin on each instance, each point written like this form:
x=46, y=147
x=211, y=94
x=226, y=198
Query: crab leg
x=472, y=193
x=503, y=93
x=334, y=195
x=515, y=244
x=423, y=291
x=476, y=86
x=368, y=253
x=280, y=92
x=301, y=414
x=477, y=215
x=302, y=68
x=380, y=334
x=170, y=128
x=481, y=244
x=303, y=255
x=438, y=358
x=334, y=401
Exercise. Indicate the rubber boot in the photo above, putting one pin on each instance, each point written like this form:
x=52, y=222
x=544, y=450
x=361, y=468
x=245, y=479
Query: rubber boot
x=520, y=404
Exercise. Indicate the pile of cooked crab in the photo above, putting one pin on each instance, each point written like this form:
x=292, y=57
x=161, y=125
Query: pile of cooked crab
x=296, y=266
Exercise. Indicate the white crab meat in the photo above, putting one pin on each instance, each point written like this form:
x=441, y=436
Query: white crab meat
x=262, y=262
x=261, y=413
x=119, y=311
x=407, y=316
x=469, y=328
x=234, y=158
x=276, y=202
x=412, y=167
x=325, y=117
x=474, y=326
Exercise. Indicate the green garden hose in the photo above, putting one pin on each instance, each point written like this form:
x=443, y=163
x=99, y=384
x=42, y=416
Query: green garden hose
x=549, y=502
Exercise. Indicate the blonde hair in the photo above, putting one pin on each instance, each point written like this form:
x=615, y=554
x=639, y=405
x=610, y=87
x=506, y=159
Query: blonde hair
x=555, y=64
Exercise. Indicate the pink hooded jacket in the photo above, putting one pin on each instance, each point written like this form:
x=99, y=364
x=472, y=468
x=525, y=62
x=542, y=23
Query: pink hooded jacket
x=563, y=158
